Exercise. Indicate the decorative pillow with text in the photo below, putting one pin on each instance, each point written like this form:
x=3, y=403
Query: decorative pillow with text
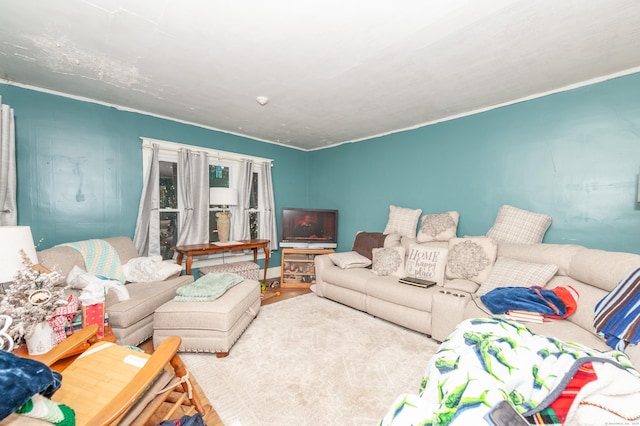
x=427, y=263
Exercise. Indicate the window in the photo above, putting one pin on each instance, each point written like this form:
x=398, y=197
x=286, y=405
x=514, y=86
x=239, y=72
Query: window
x=223, y=170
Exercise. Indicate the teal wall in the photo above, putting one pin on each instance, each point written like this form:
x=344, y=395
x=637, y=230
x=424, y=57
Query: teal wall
x=574, y=155
x=79, y=164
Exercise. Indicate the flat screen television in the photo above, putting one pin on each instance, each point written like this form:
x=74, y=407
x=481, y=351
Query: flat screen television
x=308, y=228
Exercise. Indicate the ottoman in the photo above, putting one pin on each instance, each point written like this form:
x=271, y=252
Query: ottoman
x=248, y=270
x=209, y=326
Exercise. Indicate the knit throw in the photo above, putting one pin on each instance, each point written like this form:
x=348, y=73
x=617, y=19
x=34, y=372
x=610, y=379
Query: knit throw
x=207, y=288
x=617, y=315
x=100, y=258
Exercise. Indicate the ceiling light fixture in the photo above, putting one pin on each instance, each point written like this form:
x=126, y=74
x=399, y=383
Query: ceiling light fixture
x=262, y=100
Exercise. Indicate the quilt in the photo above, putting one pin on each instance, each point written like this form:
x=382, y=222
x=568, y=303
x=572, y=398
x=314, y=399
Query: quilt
x=486, y=360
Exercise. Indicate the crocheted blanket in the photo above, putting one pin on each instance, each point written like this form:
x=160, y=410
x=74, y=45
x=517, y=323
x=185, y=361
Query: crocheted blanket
x=100, y=258
x=207, y=288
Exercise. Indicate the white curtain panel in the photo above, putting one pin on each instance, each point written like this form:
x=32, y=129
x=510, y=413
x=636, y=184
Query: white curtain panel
x=240, y=213
x=193, y=184
x=8, y=205
x=268, y=228
x=147, y=235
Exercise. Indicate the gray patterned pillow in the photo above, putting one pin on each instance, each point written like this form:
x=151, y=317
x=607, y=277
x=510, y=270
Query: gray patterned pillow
x=389, y=261
x=402, y=221
x=514, y=225
x=515, y=273
x=438, y=227
x=471, y=258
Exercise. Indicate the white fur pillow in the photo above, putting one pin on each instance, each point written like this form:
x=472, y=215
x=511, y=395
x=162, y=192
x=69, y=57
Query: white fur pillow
x=350, y=259
x=402, y=221
x=148, y=269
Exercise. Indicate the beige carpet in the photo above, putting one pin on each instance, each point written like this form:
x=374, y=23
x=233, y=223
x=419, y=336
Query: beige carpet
x=311, y=361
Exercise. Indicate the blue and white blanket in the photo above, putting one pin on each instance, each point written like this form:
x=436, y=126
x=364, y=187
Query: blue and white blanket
x=487, y=360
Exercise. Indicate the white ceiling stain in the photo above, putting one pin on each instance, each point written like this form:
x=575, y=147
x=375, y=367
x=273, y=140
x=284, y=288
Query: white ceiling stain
x=333, y=71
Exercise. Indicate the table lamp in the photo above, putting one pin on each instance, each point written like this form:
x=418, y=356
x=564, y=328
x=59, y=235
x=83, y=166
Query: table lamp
x=224, y=197
x=13, y=239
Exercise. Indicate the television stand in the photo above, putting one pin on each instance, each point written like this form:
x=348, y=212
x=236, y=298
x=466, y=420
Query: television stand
x=297, y=269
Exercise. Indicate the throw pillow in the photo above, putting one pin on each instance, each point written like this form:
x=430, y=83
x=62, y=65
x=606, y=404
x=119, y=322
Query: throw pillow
x=350, y=259
x=427, y=263
x=471, y=258
x=515, y=273
x=514, y=225
x=389, y=261
x=438, y=227
x=402, y=221
x=367, y=241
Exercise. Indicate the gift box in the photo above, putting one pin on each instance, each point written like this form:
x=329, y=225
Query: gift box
x=94, y=314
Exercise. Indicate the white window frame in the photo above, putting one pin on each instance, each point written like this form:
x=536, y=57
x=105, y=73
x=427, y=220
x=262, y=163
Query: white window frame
x=168, y=151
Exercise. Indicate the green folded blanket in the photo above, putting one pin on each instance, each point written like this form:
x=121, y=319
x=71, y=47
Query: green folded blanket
x=207, y=288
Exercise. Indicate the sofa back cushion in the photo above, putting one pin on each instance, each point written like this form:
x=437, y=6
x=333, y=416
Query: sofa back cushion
x=557, y=254
x=602, y=269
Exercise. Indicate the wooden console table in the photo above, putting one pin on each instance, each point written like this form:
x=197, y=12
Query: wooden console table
x=197, y=249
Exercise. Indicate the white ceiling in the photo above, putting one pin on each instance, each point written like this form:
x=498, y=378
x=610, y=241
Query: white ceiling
x=334, y=71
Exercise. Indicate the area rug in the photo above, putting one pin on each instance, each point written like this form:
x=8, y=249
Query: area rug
x=312, y=361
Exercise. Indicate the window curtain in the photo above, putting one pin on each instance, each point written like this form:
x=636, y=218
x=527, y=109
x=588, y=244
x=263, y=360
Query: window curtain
x=193, y=183
x=8, y=205
x=268, y=226
x=241, y=223
x=147, y=235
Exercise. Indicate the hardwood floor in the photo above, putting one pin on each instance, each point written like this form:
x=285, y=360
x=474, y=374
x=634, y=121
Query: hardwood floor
x=212, y=419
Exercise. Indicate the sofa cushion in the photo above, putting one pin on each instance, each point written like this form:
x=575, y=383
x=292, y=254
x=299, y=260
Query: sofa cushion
x=558, y=254
x=144, y=299
x=602, y=269
x=515, y=273
x=350, y=259
x=426, y=263
x=402, y=221
x=390, y=290
x=438, y=227
x=471, y=258
x=389, y=261
x=514, y=225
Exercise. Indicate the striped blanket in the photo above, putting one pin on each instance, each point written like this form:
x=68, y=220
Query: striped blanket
x=617, y=315
x=100, y=258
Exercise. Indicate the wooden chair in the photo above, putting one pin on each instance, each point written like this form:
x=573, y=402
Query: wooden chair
x=111, y=384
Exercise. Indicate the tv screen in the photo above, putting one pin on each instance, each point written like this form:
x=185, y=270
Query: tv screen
x=308, y=228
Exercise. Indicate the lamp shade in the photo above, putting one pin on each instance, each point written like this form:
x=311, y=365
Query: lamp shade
x=12, y=240
x=223, y=196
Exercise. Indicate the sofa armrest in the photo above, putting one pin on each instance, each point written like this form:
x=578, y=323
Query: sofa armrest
x=322, y=262
x=447, y=312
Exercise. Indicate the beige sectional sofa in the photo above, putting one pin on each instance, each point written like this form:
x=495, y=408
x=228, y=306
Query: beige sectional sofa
x=131, y=320
x=437, y=310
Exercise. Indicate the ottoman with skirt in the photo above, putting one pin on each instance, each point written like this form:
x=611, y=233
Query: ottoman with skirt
x=209, y=326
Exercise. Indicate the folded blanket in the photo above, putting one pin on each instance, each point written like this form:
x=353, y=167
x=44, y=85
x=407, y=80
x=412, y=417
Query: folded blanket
x=617, y=315
x=21, y=378
x=556, y=303
x=207, y=288
x=100, y=258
